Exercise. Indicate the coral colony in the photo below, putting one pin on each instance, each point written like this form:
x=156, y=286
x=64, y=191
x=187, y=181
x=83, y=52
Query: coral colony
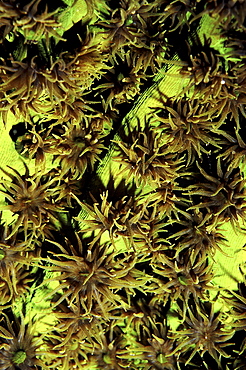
x=118, y=211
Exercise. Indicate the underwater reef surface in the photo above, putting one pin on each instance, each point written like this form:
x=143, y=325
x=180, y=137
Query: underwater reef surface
x=122, y=184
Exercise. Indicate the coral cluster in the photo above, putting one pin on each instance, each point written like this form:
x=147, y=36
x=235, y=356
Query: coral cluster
x=116, y=222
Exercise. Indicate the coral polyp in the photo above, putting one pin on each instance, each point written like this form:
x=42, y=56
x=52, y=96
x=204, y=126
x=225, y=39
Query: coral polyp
x=14, y=269
x=122, y=218
x=91, y=277
x=187, y=123
x=122, y=184
x=19, y=348
x=78, y=149
x=199, y=236
x=224, y=194
x=204, y=332
x=31, y=200
x=36, y=22
x=148, y=158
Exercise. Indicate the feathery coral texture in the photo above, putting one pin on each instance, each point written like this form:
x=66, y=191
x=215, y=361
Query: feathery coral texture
x=129, y=155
